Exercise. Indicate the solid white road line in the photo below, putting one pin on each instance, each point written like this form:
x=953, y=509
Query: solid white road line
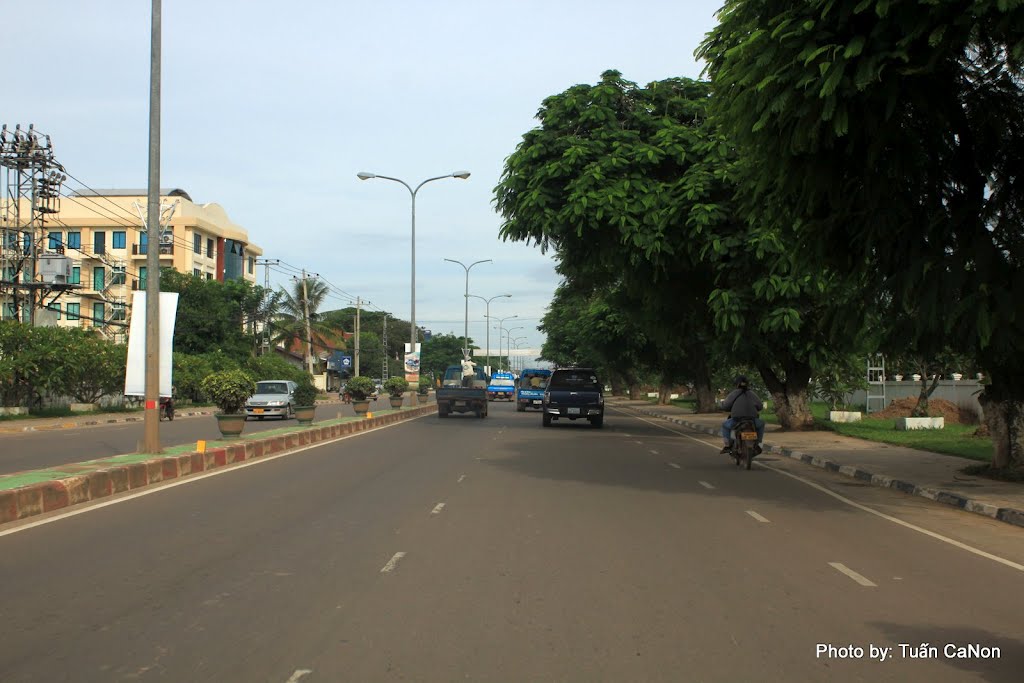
x=757, y=516
x=838, y=566
x=299, y=673
x=181, y=481
x=392, y=563
x=895, y=520
x=705, y=484
x=437, y=509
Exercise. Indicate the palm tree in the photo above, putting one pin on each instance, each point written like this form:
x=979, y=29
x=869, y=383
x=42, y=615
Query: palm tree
x=293, y=307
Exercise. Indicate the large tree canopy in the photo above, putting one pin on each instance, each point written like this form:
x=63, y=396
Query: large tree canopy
x=895, y=131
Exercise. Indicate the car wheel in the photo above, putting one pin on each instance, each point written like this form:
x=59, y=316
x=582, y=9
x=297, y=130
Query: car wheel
x=598, y=421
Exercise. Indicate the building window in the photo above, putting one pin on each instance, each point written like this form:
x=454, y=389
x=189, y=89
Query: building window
x=209, y=276
x=117, y=240
x=55, y=241
x=99, y=242
x=209, y=247
x=74, y=240
x=54, y=307
x=73, y=310
x=252, y=264
x=99, y=278
x=142, y=277
x=196, y=272
x=119, y=312
x=98, y=314
x=9, y=311
x=26, y=242
x=117, y=276
x=76, y=276
x=197, y=243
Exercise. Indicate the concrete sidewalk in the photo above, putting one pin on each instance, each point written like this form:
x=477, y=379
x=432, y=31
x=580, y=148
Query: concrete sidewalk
x=930, y=475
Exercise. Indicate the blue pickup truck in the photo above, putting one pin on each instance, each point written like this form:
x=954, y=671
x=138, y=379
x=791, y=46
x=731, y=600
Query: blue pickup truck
x=502, y=387
x=530, y=389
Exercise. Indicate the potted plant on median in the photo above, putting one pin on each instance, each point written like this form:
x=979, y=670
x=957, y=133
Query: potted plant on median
x=360, y=388
x=396, y=386
x=305, y=402
x=423, y=389
x=229, y=389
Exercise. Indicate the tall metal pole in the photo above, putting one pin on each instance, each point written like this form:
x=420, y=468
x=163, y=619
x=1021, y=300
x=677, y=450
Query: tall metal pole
x=412, y=284
x=465, y=332
x=487, y=319
x=151, y=424
x=359, y=303
x=309, y=334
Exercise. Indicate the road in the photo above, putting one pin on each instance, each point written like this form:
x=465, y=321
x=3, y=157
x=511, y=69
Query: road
x=21, y=451
x=496, y=550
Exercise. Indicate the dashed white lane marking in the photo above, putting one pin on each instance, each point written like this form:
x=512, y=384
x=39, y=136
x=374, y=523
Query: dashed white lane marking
x=672, y=464
x=437, y=509
x=654, y=451
x=705, y=484
x=392, y=563
x=639, y=442
x=757, y=516
x=461, y=477
x=299, y=673
x=895, y=520
x=838, y=566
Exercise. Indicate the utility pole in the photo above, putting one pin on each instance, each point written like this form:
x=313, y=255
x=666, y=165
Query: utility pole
x=151, y=439
x=356, y=359
x=309, y=334
x=265, y=332
x=384, y=339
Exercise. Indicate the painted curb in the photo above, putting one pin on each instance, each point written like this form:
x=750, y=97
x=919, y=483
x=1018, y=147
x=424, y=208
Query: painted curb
x=952, y=498
x=35, y=499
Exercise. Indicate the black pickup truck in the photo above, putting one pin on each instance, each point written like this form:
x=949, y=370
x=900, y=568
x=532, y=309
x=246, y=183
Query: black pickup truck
x=574, y=394
x=454, y=397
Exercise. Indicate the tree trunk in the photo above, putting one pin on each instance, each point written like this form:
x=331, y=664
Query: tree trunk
x=921, y=409
x=702, y=385
x=1004, y=417
x=790, y=397
x=635, y=392
x=664, y=395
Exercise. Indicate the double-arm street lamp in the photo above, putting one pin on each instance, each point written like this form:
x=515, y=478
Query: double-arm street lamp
x=508, y=339
x=516, y=342
x=465, y=334
x=462, y=175
x=487, y=315
x=499, y=328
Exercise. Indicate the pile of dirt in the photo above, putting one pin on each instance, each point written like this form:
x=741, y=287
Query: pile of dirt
x=937, y=407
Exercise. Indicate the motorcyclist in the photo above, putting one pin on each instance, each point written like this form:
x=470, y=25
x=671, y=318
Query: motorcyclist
x=741, y=403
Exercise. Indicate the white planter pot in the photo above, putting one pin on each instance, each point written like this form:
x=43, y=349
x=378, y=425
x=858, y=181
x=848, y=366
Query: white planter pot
x=916, y=378
x=844, y=416
x=957, y=376
x=904, y=424
x=899, y=378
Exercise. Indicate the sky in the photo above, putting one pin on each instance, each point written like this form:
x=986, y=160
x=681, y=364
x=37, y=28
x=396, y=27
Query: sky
x=270, y=109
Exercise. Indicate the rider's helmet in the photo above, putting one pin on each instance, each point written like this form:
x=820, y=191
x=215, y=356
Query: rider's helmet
x=741, y=382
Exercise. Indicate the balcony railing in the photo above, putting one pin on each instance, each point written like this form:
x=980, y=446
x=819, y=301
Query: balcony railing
x=142, y=249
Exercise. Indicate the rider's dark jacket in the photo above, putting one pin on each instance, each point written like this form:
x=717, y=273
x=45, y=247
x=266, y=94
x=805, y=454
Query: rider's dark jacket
x=742, y=403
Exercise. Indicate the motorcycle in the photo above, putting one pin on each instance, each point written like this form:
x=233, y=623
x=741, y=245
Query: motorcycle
x=744, y=442
x=167, y=408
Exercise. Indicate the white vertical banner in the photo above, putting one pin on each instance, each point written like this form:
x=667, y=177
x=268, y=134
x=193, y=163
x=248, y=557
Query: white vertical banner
x=412, y=364
x=135, y=373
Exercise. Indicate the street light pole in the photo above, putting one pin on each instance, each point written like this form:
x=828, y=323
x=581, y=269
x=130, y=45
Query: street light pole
x=508, y=340
x=516, y=342
x=462, y=175
x=487, y=315
x=500, y=323
x=465, y=334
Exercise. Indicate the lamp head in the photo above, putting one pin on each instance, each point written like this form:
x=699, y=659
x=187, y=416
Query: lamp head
x=363, y=175
x=461, y=174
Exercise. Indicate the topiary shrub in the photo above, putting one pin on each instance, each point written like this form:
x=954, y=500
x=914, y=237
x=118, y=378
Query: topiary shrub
x=424, y=386
x=305, y=394
x=229, y=389
x=396, y=386
x=360, y=387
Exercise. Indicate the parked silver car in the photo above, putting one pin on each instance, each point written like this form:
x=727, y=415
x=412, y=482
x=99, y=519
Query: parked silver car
x=273, y=398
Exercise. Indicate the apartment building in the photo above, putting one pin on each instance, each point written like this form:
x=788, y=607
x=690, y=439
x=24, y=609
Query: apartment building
x=82, y=262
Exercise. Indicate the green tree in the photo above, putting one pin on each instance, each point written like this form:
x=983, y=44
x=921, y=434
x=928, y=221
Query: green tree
x=442, y=351
x=895, y=131
x=96, y=367
x=211, y=314
x=294, y=307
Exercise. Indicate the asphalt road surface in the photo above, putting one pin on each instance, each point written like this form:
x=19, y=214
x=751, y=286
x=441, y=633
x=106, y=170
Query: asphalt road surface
x=21, y=451
x=496, y=550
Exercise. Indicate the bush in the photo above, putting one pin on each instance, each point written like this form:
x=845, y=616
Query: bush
x=305, y=393
x=360, y=387
x=229, y=389
x=396, y=386
x=424, y=386
x=272, y=366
